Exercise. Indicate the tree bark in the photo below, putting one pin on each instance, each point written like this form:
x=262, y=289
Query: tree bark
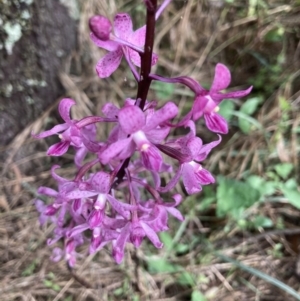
x=35, y=38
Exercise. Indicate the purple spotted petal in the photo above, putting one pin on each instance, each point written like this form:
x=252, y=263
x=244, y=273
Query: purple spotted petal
x=121, y=208
x=138, y=37
x=150, y=233
x=131, y=119
x=189, y=180
x=78, y=194
x=107, y=45
x=60, y=180
x=114, y=149
x=119, y=244
x=158, y=135
x=110, y=110
x=206, y=148
x=204, y=177
x=47, y=191
x=109, y=63
x=101, y=182
x=236, y=94
x=167, y=112
x=222, y=78
x=56, y=129
x=216, y=123
x=64, y=109
x=194, y=145
x=79, y=156
x=199, y=106
x=58, y=149
x=174, y=180
x=176, y=213
x=151, y=158
x=123, y=26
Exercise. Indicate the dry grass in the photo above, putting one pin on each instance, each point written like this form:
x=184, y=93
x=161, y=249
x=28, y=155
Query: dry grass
x=191, y=37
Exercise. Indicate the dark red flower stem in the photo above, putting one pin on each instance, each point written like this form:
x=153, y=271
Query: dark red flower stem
x=145, y=79
x=146, y=57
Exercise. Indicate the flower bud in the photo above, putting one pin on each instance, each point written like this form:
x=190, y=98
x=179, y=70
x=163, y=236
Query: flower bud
x=100, y=27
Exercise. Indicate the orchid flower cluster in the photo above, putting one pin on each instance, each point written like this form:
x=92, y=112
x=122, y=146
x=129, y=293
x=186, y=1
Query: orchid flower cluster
x=123, y=201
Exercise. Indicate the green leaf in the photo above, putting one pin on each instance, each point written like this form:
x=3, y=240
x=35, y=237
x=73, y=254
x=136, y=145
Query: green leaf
x=245, y=122
x=233, y=196
x=274, y=35
x=264, y=187
x=284, y=169
x=293, y=196
x=251, y=105
x=198, y=296
x=261, y=221
x=161, y=265
x=186, y=278
x=226, y=109
x=163, y=90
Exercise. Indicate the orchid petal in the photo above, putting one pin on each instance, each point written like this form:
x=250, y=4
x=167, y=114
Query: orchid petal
x=58, y=149
x=107, y=45
x=113, y=150
x=158, y=134
x=122, y=208
x=172, y=182
x=109, y=63
x=151, y=158
x=167, y=112
x=131, y=119
x=189, y=180
x=216, y=123
x=199, y=106
x=119, y=244
x=194, y=145
x=204, y=177
x=206, y=148
x=217, y=97
x=47, y=191
x=221, y=79
x=56, y=129
x=150, y=233
x=64, y=109
x=123, y=26
x=175, y=212
x=79, y=156
x=78, y=194
x=101, y=182
x=110, y=110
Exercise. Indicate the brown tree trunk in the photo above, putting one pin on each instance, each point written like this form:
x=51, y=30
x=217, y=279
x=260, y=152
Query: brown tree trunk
x=35, y=38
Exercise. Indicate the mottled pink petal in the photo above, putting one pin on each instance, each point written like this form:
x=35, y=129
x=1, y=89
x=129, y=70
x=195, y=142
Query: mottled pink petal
x=101, y=27
x=110, y=110
x=56, y=177
x=107, y=45
x=206, y=148
x=217, y=97
x=56, y=129
x=138, y=37
x=167, y=112
x=199, y=106
x=122, y=208
x=216, y=123
x=64, y=109
x=58, y=149
x=57, y=254
x=47, y=191
x=137, y=235
x=174, y=180
x=204, y=177
x=78, y=194
x=150, y=233
x=131, y=119
x=79, y=156
x=175, y=212
x=119, y=244
x=109, y=63
x=123, y=26
x=222, y=78
x=158, y=135
x=189, y=180
x=113, y=150
x=194, y=145
x=101, y=182
x=136, y=58
x=151, y=158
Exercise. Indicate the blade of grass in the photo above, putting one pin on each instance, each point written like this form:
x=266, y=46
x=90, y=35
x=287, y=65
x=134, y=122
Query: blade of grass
x=261, y=275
